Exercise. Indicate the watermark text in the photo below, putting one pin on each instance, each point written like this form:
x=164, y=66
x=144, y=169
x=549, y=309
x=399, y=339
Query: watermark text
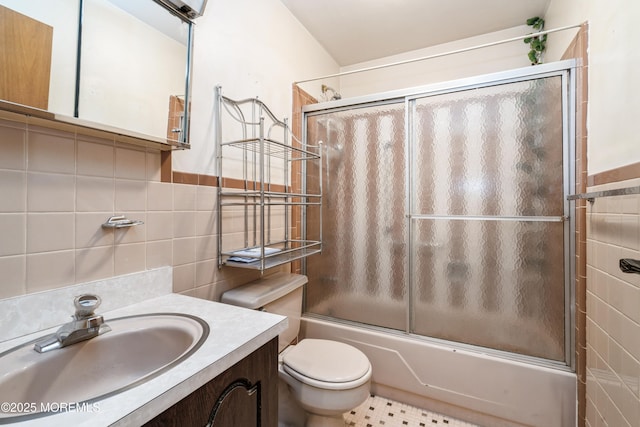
x=33, y=407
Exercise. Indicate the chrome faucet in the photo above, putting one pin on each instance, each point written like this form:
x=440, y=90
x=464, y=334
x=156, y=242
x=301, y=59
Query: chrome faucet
x=84, y=326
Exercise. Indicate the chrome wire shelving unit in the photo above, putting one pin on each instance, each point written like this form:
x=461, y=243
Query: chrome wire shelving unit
x=264, y=175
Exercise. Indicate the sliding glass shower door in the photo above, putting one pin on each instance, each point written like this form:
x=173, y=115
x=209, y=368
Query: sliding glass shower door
x=488, y=217
x=444, y=215
x=361, y=276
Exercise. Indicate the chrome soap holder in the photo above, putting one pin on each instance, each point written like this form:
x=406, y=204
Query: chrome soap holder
x=120, y=221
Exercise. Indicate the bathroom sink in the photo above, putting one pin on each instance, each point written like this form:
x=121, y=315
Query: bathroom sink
x=137, y=349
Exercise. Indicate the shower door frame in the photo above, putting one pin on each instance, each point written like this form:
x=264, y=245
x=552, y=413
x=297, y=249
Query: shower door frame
x=563, y=69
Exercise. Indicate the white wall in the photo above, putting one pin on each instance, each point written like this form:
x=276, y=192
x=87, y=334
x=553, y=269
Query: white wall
x=256, y=48
x=614, y=60
x=251, y=48
x=486, y=60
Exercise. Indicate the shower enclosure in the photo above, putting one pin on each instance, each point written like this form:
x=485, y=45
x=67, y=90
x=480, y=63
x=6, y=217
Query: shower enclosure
x=445, y=216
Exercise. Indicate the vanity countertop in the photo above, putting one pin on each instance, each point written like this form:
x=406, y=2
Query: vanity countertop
x=234, y=334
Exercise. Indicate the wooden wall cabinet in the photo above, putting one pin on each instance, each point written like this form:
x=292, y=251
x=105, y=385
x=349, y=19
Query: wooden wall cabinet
x=25, y=50
x=244, y=395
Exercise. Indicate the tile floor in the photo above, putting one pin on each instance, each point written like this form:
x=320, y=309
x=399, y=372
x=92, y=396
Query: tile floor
x=378, y=411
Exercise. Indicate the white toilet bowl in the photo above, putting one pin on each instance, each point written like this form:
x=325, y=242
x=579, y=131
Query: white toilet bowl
x=326, y=378
x=320, y=380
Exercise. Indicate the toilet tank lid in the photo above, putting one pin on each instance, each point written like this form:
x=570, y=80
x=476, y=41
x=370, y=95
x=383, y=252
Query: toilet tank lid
x=263, y=291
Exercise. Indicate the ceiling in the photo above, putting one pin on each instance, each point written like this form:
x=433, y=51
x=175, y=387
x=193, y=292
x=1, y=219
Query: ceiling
x=354, y=31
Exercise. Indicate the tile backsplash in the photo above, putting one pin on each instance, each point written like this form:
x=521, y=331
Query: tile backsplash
x=58, y=187
x=613, y=310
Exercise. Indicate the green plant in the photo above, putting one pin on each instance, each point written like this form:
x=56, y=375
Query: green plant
x=537, y=43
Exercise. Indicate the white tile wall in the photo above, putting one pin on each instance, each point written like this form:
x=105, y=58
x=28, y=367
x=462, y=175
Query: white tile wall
x=57, y=187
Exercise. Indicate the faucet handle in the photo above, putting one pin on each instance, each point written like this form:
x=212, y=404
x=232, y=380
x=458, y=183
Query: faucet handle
x=85, y=305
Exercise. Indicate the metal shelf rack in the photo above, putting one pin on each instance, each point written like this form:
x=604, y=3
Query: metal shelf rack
x=264, y=174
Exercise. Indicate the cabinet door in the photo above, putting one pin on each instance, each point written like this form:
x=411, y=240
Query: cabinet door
x=244, y=395
x=25, y=50
x=239, y=404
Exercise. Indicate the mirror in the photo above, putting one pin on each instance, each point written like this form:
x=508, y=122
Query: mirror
x=38, y=50
x=133, y=68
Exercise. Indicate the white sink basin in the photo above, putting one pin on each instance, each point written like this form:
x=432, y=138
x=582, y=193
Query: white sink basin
x=137, y=349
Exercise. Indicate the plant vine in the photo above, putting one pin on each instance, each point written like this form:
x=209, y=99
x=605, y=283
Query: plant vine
x=537, y=43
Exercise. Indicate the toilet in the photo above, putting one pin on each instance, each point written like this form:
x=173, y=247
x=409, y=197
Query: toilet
x=320, y=380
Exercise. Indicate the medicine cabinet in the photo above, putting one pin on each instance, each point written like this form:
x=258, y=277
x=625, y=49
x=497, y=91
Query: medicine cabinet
x=118, y=65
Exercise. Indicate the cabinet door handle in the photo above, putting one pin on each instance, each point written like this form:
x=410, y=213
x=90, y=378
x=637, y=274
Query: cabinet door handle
x=250, y=388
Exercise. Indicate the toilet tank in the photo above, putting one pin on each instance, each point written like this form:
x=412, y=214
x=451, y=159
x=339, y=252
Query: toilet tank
x=279, y=293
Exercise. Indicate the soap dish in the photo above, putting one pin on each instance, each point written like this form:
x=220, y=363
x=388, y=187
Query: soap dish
x=120, y=221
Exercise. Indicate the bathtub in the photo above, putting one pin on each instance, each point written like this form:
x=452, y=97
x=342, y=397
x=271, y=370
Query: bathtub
x=479, y=388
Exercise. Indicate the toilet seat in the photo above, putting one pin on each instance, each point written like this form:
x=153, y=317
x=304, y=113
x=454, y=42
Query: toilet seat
x=327, y=364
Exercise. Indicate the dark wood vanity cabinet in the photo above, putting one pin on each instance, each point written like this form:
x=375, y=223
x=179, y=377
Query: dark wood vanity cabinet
x=245, y=395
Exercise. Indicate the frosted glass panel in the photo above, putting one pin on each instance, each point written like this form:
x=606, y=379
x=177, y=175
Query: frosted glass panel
x=490, y=151
x=360, y=275
x=496, y=284
x=482, y=215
